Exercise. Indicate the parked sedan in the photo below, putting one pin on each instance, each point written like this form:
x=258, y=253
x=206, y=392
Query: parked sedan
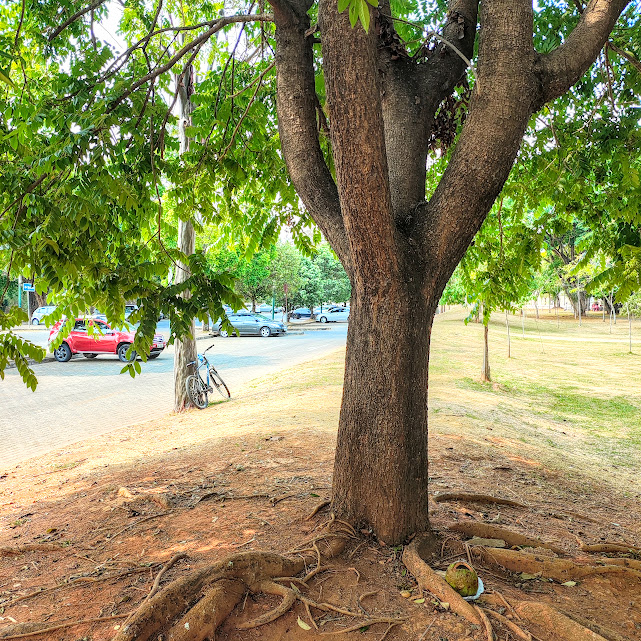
x=39, y=314
x=301, y=312
x=249, y=324
x=267, y=309
x=333, y=314
x=104, y=340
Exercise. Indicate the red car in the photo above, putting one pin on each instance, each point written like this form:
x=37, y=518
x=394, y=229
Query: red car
x=104, y=340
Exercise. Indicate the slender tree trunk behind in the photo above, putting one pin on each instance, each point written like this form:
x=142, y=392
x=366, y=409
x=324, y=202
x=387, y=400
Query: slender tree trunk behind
x=507, y=325
x=485, y=374
x=185, y=349
x=385, y=403
x=629, y=329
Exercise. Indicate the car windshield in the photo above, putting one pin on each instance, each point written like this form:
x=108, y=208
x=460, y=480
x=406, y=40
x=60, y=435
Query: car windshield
x=262, y=316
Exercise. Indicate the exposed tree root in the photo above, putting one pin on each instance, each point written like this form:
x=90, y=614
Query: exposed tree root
x=625, y=562
x=512, y=539
x=434, y=584
x=595, y=627
x=487, y=626
x=550, y=625
x=202, y=620
x=174, y=559
x=365, y=623
x=31, y=547
x=44, y=628
x=510, y=625
x=475, y=498
x=73, y=583
x=192, y=607
x=558, y=569
x=269, y=587
x=317, y=509
x=607, y=548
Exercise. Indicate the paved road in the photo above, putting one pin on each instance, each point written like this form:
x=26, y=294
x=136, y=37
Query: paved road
x=84, y=398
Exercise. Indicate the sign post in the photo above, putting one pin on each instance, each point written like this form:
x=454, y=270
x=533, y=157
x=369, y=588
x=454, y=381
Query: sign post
x=28, y=287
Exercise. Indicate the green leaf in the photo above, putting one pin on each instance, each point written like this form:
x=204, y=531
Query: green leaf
x=353, y=13
x=342, y=5
x=4, y=77
x=363, y=12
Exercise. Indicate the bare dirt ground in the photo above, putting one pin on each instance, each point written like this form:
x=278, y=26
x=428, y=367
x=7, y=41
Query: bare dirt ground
x=85, y=530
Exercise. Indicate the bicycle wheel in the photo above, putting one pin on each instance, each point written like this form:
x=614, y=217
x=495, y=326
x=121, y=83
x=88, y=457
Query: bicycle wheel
x=196, y=391
x=219, y=383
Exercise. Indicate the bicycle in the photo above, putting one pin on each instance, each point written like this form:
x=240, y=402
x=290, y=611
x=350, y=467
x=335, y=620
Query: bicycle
x=197, y=388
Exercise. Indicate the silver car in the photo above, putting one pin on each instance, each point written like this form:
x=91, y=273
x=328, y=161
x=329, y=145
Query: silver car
x=249, y=324
x=333, y=314
x=40, y=313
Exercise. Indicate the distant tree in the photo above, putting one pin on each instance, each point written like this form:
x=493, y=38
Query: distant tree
x=335, y=285
x=284, y=272
x=310, y=292
x=498, y=268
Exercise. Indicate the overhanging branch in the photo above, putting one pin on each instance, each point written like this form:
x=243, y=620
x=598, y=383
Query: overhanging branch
x=563, y=67
x=200, y=40
x=58, y=30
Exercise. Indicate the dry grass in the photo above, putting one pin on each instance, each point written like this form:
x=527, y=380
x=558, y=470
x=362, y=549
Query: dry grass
x=569, y=395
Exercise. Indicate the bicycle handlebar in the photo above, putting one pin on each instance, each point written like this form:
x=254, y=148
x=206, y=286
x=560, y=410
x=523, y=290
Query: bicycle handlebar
x=208, y=348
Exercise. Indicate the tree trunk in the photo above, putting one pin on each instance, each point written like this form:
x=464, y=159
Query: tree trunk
x=399, y=248
x=507, y=325
x=380, y=478
x=485, y=374
x=185, y=349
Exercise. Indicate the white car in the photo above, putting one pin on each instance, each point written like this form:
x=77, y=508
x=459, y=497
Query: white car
x=332, y=315
x=40, y=313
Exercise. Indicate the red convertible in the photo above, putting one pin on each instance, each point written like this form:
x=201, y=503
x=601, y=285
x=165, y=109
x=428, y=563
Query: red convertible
x=103, y=340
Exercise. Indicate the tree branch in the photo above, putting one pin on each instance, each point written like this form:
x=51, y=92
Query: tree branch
x=15, y=42
x=56, y=32
x=561, y=68
x=412, y=89
x=628, y=56
x=490, y=140
x=297, y=125
x=201, y=39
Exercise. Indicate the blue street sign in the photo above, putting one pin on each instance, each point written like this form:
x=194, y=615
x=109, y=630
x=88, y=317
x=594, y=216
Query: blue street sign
x=28, y=287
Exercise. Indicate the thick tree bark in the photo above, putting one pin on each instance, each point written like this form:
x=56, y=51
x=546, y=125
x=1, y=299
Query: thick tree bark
x=399, y=251
x=380, y=469
x=185, y=349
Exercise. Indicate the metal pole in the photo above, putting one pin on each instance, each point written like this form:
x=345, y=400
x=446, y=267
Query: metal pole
x=19, y=291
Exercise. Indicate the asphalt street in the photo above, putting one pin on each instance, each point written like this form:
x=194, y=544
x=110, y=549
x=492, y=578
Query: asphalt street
x=84, y=398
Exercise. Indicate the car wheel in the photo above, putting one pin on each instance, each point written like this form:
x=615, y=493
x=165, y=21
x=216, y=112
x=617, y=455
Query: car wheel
x=323, y=319
x=122, y=353
x=224, y=333
x=152, y=356
x=295, y=316
x=90, y=355
x=63, y=353
x=265, y=332
x=35, y=321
